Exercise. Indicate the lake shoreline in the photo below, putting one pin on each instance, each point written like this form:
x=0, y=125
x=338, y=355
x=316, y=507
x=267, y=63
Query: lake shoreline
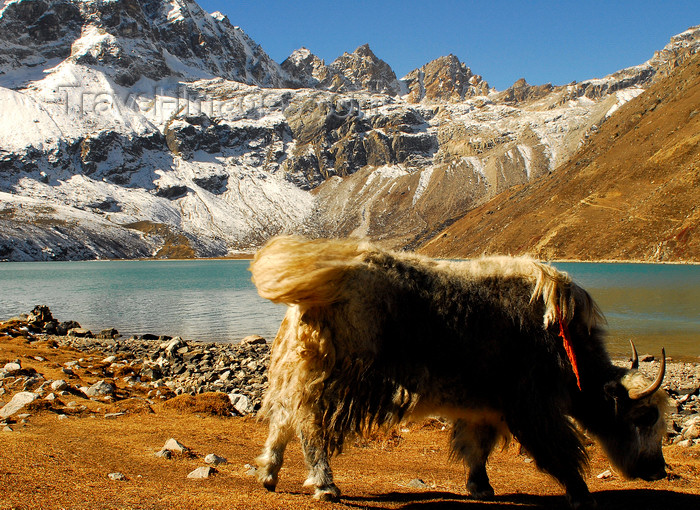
x=250, y=256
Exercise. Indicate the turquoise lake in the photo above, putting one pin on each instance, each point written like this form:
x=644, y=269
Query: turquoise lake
x=214, y=300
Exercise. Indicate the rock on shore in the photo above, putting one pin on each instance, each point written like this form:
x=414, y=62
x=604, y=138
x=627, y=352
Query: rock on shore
x=188, y=367
x=160, y=366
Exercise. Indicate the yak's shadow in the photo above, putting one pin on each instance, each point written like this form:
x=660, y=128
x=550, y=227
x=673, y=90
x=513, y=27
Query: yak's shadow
x=444, y=500
x=642, y=499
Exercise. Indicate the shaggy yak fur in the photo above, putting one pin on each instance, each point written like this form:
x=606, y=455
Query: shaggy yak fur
x=372, y=337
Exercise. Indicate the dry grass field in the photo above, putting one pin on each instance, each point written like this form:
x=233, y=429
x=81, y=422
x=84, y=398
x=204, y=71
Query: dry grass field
x=54, y=463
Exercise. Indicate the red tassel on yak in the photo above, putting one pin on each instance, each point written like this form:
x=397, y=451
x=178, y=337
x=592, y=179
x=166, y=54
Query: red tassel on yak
x=564, y=334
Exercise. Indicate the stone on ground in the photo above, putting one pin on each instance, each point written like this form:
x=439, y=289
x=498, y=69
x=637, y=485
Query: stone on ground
x=19, y=401
x=100, y=389
x=174, y=445
x=214, y=459
x=202, y=472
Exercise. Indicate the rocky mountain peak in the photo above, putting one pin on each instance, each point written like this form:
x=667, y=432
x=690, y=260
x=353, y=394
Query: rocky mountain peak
x=444, y=79
x=307, y=69
x=301, y=55
x=451, y=60
x=365, y=51
x=521, y=91
x=363, y=70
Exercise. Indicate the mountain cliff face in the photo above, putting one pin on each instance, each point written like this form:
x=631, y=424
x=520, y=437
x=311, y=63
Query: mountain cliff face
x=154, y=128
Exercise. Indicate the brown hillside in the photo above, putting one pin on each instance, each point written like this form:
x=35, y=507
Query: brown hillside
x=631, y=193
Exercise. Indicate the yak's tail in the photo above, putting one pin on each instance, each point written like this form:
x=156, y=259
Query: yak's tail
x=306, y=275
x=294, y=270
x=563, y=299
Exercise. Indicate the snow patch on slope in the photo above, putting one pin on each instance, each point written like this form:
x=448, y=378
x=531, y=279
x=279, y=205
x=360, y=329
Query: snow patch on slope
x=422, y=184
x=624, y=96
x=383, y=173
x=31, y=124
x=526, y=153
x=477, y=164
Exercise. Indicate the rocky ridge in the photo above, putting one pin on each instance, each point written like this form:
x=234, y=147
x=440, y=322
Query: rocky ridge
x=360, y=70
x=680, y=48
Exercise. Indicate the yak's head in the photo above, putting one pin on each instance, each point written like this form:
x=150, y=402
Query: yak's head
x=639, y=424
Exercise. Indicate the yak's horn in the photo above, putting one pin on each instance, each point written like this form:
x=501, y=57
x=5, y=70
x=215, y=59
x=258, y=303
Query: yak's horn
x=638, y=394
x=635, y=357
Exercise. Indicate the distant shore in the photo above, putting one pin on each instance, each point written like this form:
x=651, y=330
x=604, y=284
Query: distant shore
x=250, y=256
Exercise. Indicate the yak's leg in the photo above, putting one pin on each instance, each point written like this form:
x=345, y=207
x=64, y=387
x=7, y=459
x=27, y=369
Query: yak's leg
x=270, y=461
x=473, y=444
x=555, y=446
x=320, y=474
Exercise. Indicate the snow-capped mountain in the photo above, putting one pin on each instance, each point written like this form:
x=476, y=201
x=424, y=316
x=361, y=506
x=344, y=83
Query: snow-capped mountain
x=128, y=40
x=140, y=128
x=309, y=70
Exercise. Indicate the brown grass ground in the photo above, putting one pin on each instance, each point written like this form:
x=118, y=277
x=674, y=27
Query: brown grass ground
x=55, y=463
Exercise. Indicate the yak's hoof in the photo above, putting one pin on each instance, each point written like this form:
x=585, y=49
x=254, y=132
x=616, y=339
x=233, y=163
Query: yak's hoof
x=583, y=503
x=329, y=493
x=481, y=492
x=269, y=482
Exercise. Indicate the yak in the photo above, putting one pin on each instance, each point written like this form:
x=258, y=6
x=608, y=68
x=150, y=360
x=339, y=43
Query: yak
x=498, y=346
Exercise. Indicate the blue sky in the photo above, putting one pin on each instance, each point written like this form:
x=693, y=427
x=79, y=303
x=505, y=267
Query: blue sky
x=541, y=41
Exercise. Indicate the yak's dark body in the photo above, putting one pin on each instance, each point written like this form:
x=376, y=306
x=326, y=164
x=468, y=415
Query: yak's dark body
x=385, y=335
